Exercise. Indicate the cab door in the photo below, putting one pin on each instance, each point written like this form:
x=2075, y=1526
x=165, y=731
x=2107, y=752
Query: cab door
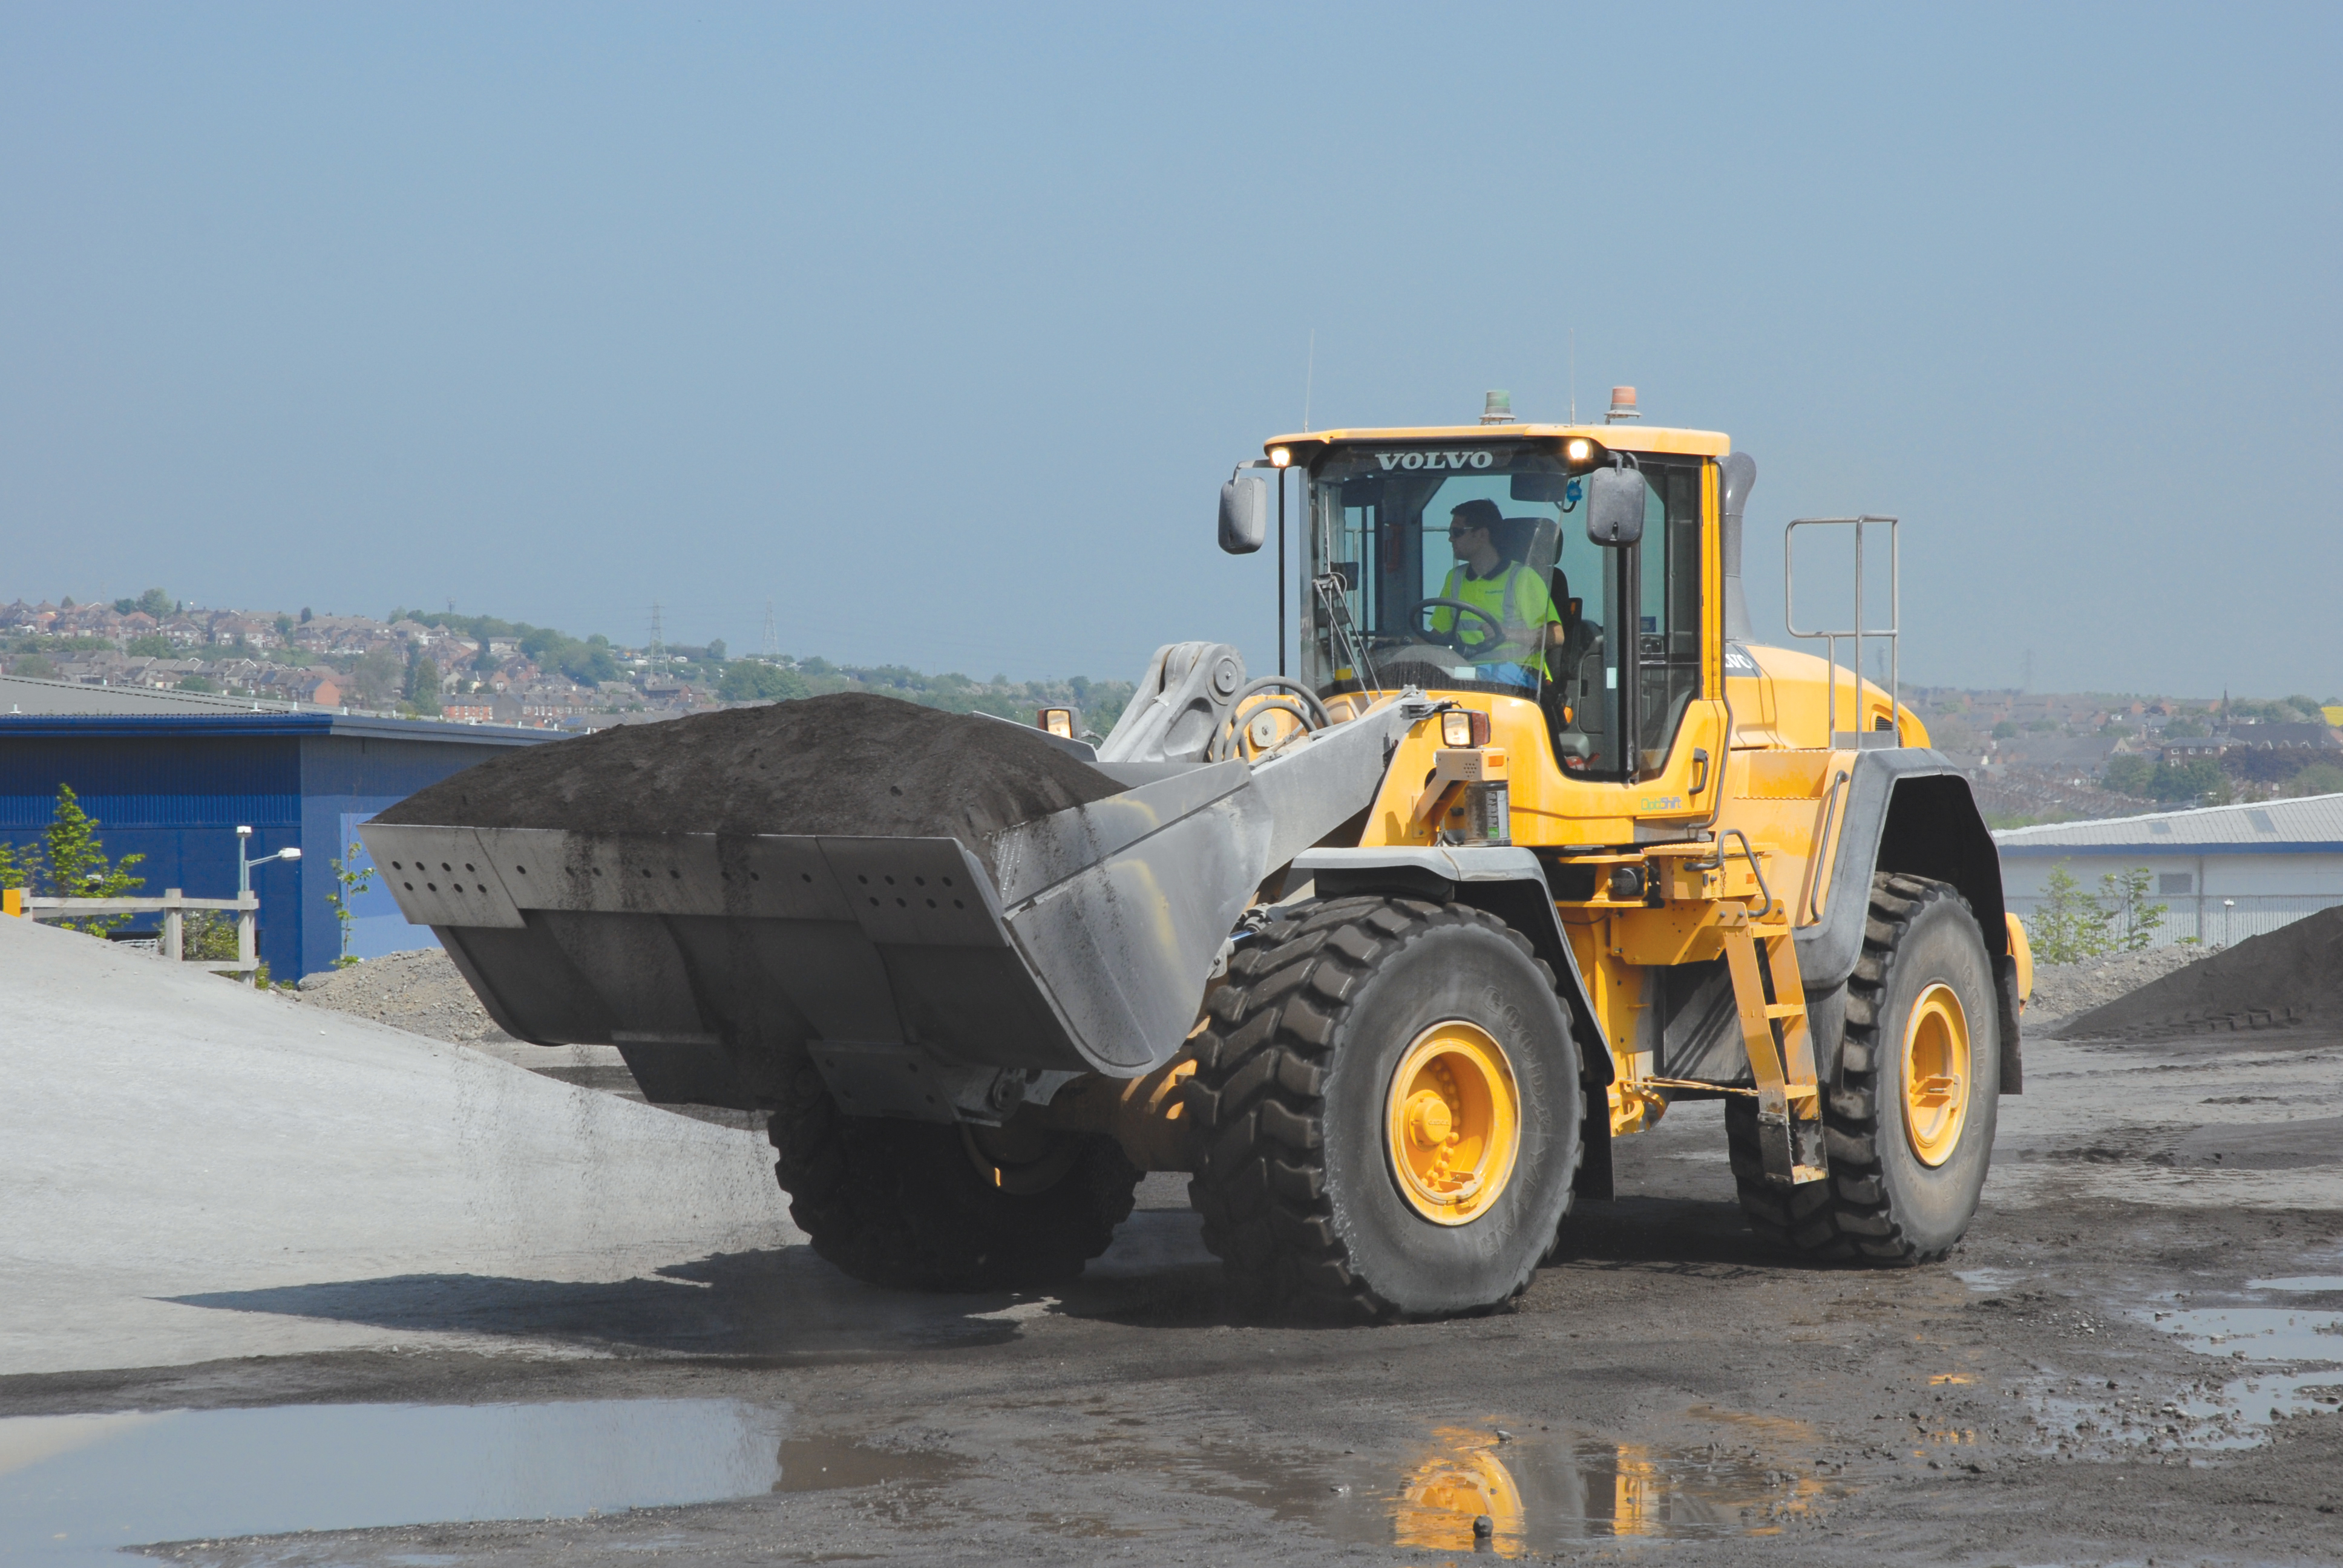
x=1640, y=725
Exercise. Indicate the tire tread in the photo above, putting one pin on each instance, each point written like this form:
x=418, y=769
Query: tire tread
x=1853, y=1212
x=1258, y=1097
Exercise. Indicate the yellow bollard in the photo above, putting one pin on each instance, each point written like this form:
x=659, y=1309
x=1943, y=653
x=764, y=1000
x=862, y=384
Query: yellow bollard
x=12, y=900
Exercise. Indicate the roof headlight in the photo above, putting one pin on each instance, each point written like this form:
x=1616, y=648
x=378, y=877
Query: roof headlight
x=1580, y=450
x=1280, y=456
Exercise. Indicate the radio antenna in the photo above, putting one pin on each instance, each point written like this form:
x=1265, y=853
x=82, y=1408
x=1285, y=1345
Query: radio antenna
x=1574, y=375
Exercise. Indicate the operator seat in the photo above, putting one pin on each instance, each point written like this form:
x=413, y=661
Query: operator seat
x=1573, y=701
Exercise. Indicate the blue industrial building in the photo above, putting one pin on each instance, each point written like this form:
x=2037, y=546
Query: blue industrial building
x=176, y=787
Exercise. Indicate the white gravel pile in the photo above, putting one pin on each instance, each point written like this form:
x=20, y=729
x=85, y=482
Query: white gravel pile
x=190, y=1171
x=419, y=992
x=2063, y=990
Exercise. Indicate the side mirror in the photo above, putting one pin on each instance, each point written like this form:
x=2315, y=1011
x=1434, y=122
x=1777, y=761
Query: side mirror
x=1614, y=507
x=1245, y=514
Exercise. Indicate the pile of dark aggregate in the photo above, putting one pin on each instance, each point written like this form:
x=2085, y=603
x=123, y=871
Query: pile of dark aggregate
x=2293, y=975
x=847, y=764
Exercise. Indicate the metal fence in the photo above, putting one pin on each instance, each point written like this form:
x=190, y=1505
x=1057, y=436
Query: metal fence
x=2209, y=917
x=172, y=906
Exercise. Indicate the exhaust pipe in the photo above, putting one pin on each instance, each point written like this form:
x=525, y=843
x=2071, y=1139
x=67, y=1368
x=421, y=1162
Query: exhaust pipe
x=1740, y=474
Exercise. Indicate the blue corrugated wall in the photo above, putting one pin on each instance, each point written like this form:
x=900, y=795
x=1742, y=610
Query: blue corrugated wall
x=176, y=790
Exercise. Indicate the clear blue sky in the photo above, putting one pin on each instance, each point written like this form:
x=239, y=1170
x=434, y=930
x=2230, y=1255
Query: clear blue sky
x=940, y=328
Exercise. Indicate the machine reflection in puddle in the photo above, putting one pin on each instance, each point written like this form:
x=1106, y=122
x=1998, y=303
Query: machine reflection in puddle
x=1543, y=1487
x=78, y=1487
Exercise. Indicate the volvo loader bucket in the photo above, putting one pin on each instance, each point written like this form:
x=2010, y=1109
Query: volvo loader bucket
x=923, y=984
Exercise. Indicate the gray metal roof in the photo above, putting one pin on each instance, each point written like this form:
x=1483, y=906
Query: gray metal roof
x=32, y=694
x=2311, y=825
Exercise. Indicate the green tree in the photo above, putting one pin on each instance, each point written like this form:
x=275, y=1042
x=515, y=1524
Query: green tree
x=2069, y=925
x=35, y=665
x=2128, y=773
x=207, y=935
x=423, y=685
x=2072, y=925
x=2132, y=920
x=746, y=681
x=77, y=866
x=2316, y=778
x=196, y=683
x=20, y=865
x=154, y=602
x=153, y=645
x=2005, y=730
x=375, y=677
x=2199, y=779
x=350, y=879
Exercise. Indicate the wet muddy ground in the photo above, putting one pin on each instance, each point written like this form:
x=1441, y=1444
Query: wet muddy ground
x=2134, y=1357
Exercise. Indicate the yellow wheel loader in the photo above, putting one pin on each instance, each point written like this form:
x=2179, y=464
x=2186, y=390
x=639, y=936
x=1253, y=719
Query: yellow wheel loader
x=1384, y=953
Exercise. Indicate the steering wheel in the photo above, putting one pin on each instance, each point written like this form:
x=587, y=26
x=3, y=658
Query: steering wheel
x=1496, y=628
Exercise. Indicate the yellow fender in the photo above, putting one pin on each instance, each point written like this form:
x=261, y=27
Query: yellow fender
x=2023, y=952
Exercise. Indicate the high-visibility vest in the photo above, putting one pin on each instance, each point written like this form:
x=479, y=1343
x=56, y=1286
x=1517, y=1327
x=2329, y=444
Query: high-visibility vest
x=1516, y=598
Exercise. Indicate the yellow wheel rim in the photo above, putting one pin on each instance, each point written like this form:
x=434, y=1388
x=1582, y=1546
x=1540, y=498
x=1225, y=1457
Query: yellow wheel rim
x=1935, y=1074
x=1453, y=1122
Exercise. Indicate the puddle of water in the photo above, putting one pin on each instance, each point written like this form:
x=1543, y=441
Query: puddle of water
x=2256, y=1334
x=2299, y=1282
x=1541, y=1487
x=77, y=1487
x=827, y=1464
x=2224, y=1412
x=1987, y=1279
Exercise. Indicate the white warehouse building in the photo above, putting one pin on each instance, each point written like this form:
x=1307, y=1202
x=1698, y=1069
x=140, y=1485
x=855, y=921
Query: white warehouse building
x=2223, y=873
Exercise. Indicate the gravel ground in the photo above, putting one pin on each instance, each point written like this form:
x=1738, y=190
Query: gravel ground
x=2133, y=1355
x=419, y=992
x=2063, y=990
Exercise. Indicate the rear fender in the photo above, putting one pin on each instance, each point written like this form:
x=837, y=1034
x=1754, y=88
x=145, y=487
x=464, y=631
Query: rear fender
x=1910, y=810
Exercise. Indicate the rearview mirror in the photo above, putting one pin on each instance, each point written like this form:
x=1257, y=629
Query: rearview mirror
x=1545, y=488
x=1614, y=507
x=1245, y=514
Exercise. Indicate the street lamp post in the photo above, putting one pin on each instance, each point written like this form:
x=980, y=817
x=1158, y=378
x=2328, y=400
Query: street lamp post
x=247, y=944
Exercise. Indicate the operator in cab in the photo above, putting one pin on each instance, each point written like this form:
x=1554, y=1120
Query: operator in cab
x=1513, y=596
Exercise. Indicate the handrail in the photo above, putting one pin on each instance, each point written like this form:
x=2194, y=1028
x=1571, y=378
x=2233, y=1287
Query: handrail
x=1755, y=869
x=1830, y=636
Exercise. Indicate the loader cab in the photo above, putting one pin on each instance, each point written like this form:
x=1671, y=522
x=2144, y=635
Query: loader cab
x=1613, y=635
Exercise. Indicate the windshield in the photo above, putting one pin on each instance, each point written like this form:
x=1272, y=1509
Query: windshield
x=1468, y=568
x=1434, y=568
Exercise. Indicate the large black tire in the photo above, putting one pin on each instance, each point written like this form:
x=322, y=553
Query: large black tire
x=1294, y=1180
x=904, y=1204
x=1883, y=1204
